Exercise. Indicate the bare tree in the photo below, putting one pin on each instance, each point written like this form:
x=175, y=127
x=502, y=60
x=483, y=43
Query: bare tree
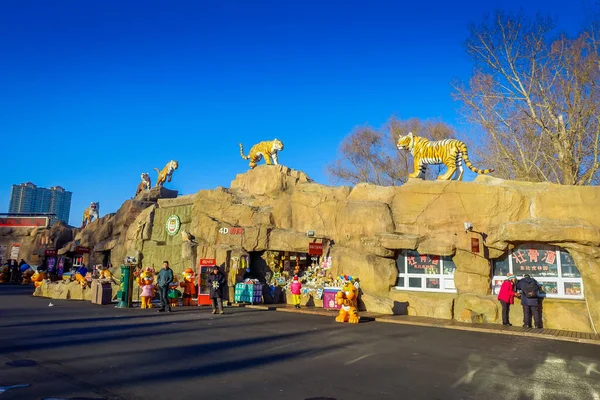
x=536, y=98
x=370, y=155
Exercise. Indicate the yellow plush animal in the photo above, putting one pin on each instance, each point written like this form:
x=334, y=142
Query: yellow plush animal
x=4, y=273
x=145, y=184
x=37, y=278
x=26, y=276
x=90, y=213
x=267, y=149
x=81, y=280
x=167, y=172
x=146, y=283
x=348, y=299
x=450, y=152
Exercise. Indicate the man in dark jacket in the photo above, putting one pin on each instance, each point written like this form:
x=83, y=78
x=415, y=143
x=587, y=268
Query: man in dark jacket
x=529, y=289
x=165, y=277
x=216, y=283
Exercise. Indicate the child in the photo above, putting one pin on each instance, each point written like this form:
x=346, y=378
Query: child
x=295, y=288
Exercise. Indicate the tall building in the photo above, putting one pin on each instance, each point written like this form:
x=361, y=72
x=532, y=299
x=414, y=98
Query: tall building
x=28, y=198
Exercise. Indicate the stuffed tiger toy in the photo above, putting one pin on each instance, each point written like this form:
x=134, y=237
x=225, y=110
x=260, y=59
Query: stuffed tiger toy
x=267, y=149
x=348, y=299
x=90, y=213
x=450, y=152
x=145, y=184
x=167, y=172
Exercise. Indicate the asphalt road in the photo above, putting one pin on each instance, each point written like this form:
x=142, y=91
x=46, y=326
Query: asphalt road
x=77, y=350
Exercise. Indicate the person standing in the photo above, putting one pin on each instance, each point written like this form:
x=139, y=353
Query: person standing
x=165, y=277
x=295, y=288
x=216, y=282
x=507, y=297
x=529, y=289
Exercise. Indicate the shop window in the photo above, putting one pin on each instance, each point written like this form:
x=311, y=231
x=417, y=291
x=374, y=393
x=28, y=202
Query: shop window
x=425, y=272
x=551, y=266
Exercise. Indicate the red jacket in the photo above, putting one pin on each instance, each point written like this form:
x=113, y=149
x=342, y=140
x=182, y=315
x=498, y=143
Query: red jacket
x=507, y=292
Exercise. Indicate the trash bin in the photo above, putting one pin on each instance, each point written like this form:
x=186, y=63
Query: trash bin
x=329, y=302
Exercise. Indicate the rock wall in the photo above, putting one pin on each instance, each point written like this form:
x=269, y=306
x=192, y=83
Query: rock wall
x=364, y=227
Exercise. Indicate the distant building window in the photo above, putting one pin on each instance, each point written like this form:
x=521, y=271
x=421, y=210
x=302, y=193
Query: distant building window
x=551, y=266
x=423, y=272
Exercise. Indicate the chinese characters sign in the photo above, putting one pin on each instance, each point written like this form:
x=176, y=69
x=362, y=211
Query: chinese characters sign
x=422, y=264
x=535, y=262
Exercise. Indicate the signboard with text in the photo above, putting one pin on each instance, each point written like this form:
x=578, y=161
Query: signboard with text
x=50, y=253
x=535, y=262
x=315, y=249
x=14, y=251
x=24, y=222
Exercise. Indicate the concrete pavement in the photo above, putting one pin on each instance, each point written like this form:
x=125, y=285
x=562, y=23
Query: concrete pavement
x=80, y=350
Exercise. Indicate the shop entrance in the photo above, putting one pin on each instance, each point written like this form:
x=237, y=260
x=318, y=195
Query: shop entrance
x=258, y=267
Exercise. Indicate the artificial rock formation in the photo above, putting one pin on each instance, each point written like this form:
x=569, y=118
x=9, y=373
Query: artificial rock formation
x=364, y=228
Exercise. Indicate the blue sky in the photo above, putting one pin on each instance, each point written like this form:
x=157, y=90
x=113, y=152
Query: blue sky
x=94, y=93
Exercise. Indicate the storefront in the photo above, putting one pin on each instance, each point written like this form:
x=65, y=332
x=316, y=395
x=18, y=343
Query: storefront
x=423, y=272
x=551, y=266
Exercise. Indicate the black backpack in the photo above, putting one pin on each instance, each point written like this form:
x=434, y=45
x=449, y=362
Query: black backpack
x=531, y=289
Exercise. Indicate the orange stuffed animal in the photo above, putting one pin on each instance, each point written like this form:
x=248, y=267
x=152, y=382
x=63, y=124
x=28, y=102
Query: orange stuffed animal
x=189, y=289
x=348, y=299
x=37, y=278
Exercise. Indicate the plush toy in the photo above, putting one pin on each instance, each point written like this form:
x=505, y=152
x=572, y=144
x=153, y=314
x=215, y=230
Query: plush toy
x=189, y=289
x=81, y=280
x=174, y=294
x=37, y=278
x=4, y=275
x=104, y=273
x=146, y=283
x=348, y=299
x=26, y=276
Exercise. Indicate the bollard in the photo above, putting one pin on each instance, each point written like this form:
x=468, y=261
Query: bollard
x=126, y=287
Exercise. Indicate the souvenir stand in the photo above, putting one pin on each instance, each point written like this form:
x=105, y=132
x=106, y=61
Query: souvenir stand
x=205, y=266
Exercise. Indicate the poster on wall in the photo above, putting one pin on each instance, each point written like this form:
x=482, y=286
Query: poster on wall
x=61, y=266
x=14, y=251
x=51, y=265
x=3, y=255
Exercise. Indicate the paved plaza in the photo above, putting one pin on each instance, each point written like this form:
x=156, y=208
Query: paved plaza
x=77, y=350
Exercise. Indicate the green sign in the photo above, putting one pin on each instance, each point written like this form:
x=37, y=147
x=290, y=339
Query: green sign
x=173, y=225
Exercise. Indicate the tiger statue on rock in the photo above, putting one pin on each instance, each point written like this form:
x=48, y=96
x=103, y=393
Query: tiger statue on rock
x=450, y=152
x=167, y=173
x=267, y=149
x=91, y=213
x=348, y=299
x=145, y=184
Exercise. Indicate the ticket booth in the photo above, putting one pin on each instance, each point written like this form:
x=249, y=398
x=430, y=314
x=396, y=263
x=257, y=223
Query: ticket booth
x=204, y=268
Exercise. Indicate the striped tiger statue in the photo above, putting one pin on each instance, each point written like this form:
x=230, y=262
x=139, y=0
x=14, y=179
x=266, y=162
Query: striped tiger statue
x=450, y=152
x=267, y=149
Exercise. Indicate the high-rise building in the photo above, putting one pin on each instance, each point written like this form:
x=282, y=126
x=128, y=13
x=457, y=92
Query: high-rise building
x=28, y=198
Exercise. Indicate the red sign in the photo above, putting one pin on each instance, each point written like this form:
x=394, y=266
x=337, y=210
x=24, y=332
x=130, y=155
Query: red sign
x=24, y=222
x=474, y=245
x=50, y=253
x=208, y=262
x=82, y=250
x=315, y=249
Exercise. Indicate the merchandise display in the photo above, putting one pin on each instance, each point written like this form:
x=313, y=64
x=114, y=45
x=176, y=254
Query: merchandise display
x=249, y=291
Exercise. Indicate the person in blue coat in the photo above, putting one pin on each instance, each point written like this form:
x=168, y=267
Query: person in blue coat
x=529, y=290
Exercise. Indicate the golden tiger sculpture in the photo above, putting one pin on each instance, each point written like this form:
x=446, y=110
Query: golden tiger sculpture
x=348, y=299
x=145, y=184
x=167, y=173
x=90, y=213
x=267, y=149
x=450, y=152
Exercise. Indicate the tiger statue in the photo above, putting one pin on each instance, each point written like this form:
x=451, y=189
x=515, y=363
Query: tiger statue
x=90, y=213
x=450, y=152
x=167, y=172
x=267, y=149
x=145, y=184
x=348, y=299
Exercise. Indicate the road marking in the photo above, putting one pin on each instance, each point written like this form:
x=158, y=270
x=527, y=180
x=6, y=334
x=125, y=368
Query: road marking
x=358, y=359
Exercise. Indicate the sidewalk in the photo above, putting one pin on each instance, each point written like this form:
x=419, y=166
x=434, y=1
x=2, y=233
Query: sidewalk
x=552, y=334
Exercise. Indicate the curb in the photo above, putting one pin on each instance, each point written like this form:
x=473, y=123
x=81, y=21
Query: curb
x=384, y=319
x=527, y=334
